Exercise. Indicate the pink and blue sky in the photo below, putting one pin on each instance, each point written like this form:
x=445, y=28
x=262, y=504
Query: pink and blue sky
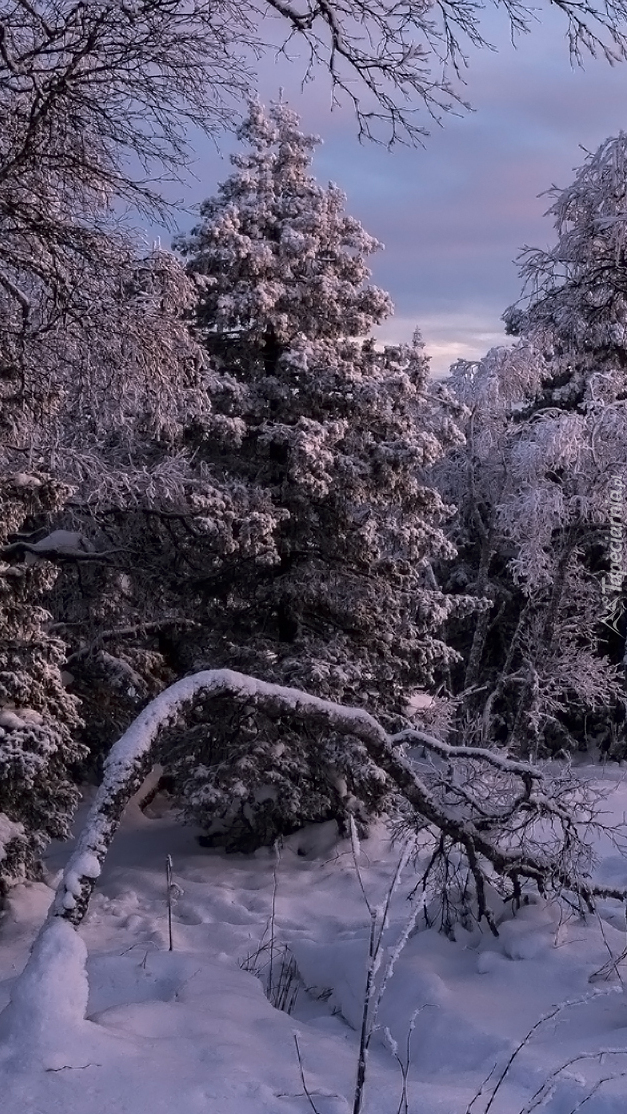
x=454, y=214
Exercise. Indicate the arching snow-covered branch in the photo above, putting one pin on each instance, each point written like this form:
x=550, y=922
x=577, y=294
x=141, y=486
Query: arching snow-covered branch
x=131, y=757
x=470, y=798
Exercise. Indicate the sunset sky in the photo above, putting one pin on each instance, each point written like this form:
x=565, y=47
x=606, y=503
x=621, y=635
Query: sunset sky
x=454, y=214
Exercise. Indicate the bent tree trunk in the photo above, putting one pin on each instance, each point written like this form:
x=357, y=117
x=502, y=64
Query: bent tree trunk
x=451, y=799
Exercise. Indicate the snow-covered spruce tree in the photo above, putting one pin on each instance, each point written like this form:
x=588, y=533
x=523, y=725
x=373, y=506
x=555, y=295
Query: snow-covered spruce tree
x=338, y=436
x=533, y=489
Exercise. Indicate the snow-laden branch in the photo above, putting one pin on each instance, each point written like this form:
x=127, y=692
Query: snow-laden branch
x=465, y=809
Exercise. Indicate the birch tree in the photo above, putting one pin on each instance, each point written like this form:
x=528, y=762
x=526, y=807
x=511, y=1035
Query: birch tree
x=534, y=494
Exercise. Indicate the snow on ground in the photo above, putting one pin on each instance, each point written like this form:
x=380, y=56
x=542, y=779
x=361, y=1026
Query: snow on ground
x=191, y=1030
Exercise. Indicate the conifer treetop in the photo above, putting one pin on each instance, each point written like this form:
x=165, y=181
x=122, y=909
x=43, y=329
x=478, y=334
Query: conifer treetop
x=276, y=250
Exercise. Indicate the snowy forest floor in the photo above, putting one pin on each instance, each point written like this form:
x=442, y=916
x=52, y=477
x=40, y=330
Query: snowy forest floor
x=192, y=1031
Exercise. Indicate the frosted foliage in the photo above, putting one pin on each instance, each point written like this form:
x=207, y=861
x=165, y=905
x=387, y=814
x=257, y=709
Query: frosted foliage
x=549, y=473
x=571, y=665
x=361, y=519
x=564, y=470
x=494, y=386
x=122, y=370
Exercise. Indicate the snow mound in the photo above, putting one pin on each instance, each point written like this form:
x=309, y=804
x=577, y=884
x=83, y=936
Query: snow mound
x=48, y=1000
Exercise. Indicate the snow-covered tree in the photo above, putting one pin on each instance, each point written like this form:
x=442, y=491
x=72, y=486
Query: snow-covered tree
x=540, y=482
x=533, y=489
x=338, y=436
x=97, y=367
x=575, y=310
x=278, y=255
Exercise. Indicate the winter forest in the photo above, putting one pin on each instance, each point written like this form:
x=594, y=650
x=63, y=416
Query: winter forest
x=313, y=705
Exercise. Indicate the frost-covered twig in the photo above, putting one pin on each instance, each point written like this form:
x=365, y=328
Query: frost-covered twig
x=547, y=1083
x=373, y=994
x=302, y=1077
x=168, y=883
x=403, y=1105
